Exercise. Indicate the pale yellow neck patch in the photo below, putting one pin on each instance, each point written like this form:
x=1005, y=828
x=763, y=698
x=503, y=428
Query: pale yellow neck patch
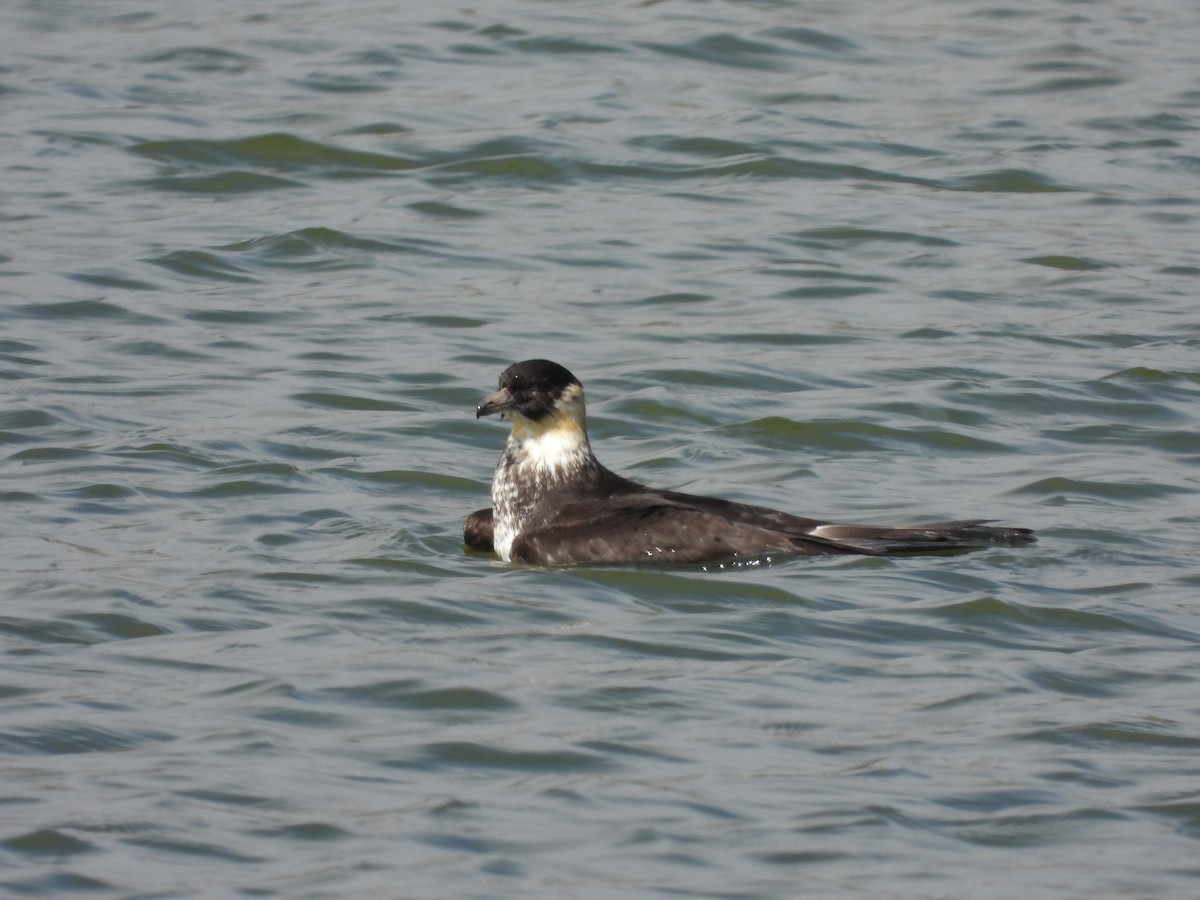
x=557, y=442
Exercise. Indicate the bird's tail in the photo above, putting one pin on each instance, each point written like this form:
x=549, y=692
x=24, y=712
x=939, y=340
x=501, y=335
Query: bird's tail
x=966, y=534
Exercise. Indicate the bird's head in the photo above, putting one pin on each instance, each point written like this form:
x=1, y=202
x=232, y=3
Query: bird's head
x=535, y=389
x=539, y=397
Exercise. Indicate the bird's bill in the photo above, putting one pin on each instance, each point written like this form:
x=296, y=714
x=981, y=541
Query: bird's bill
x=499, y=402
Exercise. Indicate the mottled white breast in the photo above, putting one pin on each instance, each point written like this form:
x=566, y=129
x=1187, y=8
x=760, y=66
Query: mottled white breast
x=507, y=522
x=538, y=455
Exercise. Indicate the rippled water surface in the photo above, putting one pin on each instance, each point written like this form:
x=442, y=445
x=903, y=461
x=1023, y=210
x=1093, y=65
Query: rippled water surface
x=857, y=260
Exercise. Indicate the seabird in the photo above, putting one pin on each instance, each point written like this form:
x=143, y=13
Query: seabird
x=553, y=503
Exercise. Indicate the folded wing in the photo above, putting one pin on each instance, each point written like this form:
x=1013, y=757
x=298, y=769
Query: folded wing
x=663, y=526
x=477, y=531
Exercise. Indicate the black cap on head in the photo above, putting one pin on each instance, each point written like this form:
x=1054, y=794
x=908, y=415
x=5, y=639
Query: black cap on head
x=536, y=375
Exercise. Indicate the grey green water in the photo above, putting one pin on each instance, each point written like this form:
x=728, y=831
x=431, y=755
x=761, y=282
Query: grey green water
x=874, y=261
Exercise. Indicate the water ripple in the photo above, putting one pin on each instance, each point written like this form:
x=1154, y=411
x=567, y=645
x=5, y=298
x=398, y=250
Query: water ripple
x=260, y=266
x=276, y=152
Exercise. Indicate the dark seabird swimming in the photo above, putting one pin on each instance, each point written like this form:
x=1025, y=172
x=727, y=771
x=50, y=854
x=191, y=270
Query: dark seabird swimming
x=554, y=504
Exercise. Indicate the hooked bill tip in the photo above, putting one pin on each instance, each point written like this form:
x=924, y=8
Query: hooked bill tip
x=497, y=403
